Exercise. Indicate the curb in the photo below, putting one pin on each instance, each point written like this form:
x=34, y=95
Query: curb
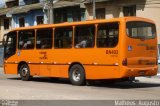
x=158, y=74
x=149, y=80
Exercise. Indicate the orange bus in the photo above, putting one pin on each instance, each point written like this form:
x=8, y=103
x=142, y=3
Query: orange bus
x=90, y=50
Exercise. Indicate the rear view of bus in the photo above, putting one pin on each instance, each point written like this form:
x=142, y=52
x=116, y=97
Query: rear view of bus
x=139, y=48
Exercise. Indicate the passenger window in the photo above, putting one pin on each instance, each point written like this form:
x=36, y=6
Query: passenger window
x=26, y=39
x=44, y=39
x=108, y=35
x=63, y=37
x=84, y=36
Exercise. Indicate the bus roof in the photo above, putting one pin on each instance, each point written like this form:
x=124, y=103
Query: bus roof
x=96, y=21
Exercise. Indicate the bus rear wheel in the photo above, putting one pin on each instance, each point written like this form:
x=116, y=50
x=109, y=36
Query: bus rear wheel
x=25, y=72
x=77, y=75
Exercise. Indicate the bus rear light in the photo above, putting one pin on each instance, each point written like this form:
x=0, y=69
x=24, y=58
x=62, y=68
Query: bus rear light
x=124, y=62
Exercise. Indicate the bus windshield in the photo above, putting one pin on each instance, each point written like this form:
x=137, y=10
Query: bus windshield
x=10, y=45
x=141, y=30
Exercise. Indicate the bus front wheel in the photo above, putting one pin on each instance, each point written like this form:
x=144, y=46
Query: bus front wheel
x=77, y=75
x=25, y=72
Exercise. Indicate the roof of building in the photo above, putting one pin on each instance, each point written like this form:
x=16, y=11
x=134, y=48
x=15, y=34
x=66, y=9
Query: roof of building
x=90, y=1
x=26, y=8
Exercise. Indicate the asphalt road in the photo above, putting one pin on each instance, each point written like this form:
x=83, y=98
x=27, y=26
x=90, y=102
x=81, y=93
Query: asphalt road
x=11, y=87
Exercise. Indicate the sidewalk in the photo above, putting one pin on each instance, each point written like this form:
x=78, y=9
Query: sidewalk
x=148, y=79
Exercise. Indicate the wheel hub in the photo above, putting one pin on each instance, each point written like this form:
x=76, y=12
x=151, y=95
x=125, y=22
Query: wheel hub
x=76, y=75
x=24, y=71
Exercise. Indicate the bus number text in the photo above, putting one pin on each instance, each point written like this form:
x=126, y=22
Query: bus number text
x=111, y=51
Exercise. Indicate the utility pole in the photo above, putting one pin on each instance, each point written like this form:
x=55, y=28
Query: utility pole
x=50, y=11
x=94, y=9
x=50, y=8
x=48, y=5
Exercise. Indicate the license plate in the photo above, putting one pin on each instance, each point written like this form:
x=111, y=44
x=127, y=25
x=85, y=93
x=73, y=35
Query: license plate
x=141, y=73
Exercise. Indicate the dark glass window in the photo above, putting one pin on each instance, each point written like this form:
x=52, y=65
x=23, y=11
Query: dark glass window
x=6, y=23
x=26, y=39
x=21, y=22
x=139, y=29
x=39, y=20
x=12, y=3
x=129, y=10
x=100, y=13
x=108, y=34
x=27, y=2
x=84, y=36
x=44, y=39
x=63, y=37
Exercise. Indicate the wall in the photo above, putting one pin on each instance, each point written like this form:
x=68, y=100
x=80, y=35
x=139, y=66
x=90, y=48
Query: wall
x=2, y=3
x=30, y=18
x=2, y=31
x=21, y=2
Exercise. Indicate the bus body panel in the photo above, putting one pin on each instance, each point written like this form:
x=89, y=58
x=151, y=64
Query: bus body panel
x=135, y=72
x=59, y=61
x=98, y=63
x=10, y=68
x=102, y=72
x=140, y=54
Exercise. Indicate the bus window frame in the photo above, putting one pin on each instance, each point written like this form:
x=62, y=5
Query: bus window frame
x=142, y=38
x=94, y=43
x=119, y=28
x=5, y=45
x=54, y=31
x=52, y=38
x=34, y=31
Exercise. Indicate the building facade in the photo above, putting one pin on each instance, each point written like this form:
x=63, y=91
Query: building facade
x=119, y=8
x=22, y=13
x=19, y=13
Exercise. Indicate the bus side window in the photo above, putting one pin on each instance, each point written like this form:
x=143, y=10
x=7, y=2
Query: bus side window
x=26, y=39
x=107, y=35
x=44, y=39
x=63, y=37
x=84, y=36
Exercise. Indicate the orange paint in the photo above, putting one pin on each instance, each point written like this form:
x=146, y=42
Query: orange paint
x=98, y=63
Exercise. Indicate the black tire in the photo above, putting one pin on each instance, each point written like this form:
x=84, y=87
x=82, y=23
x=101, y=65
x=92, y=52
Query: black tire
x=77, y=75
x=25, y=72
